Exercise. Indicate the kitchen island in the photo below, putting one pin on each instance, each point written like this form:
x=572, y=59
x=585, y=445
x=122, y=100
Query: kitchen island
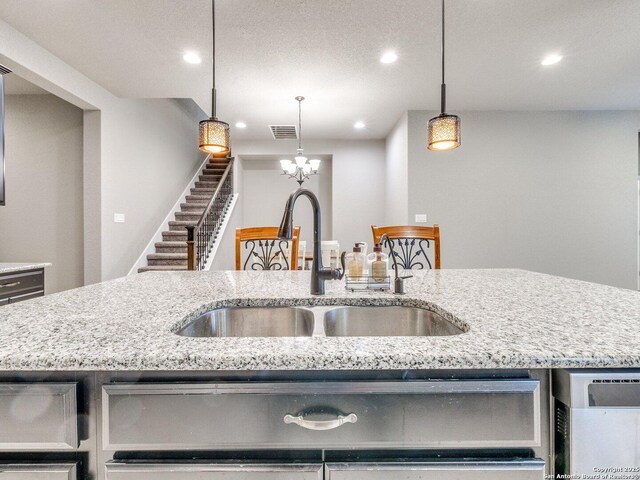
x=119, y=395
x=511, y=318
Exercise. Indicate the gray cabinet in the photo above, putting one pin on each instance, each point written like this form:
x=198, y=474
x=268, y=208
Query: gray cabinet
x=38, y=471
x=212, y=471
x=20, y=286
x=38, y=416
x=331, y=415
x=438, y=470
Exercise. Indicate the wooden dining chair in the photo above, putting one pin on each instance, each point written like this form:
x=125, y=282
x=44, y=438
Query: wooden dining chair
x=266, y=251
x=410, y=244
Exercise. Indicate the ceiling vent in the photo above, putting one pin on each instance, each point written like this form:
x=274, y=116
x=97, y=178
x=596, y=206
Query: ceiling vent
x=284, y=132
x=4, y=70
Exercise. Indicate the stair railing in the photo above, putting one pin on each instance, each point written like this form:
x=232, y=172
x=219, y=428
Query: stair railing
x=200, y=237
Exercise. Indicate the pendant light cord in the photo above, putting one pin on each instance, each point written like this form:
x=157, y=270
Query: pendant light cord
x=299, y=124
x=443, y=88
x=213, y=44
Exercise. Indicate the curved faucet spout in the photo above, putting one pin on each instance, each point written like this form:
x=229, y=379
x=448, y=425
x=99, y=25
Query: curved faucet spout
x=318, y=273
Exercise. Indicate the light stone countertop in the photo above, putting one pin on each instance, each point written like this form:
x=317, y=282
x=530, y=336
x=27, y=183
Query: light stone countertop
x=19, y=267
x=515, y=319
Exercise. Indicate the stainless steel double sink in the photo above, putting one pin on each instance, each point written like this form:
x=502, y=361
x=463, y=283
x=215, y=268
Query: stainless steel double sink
x=329, y=321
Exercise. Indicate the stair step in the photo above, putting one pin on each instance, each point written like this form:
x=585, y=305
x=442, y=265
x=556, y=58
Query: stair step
x=203, y=191
x=167, y=259
x=198, y=198
x=210, y=178
x=212, y=172
x=209, y=185
x=194, y=216
x=177, y=225
x=174, y=236
x=193, y=206
x=171, y=247
x=161, y=268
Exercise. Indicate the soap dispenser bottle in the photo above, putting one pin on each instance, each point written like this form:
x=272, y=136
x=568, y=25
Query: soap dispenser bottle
x=356, y=262
x=378, y=263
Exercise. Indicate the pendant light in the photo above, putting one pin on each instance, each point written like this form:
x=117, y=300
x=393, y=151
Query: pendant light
x=213, y=133
x=443, y=131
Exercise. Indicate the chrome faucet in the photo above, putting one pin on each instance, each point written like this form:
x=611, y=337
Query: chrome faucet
x=318, y=273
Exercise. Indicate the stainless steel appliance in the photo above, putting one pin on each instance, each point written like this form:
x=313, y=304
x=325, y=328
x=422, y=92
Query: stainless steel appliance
x=597, y=423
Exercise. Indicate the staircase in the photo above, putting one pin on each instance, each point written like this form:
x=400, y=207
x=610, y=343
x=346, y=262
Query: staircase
x=171, y=252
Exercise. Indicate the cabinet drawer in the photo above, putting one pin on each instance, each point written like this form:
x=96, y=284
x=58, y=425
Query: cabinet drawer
x=38, y=416
x=23, y=282
x=38, y=471
x=420, y=414
x=443, y=470
x=212, y=471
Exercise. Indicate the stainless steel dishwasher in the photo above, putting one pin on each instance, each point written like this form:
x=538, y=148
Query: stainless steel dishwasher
x=597, y=423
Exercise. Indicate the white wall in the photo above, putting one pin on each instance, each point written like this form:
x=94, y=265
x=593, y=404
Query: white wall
x=149, y=154
x=358, y=185
x=396, y=174
x=553, y=192
x=42, y=220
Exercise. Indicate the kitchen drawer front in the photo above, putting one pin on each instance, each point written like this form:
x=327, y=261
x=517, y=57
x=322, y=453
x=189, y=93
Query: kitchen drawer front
x=38, y=471
x=446, y=470
x=212, y=471
x=15, y=284
x=420, y=414
x=26, y=296
x=38, y=416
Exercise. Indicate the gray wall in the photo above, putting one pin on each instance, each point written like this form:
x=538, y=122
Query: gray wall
x=553, y=192
x=149, y=154
x=42, y=220
x=357, y=182
x=396, y=173
x=264, y=208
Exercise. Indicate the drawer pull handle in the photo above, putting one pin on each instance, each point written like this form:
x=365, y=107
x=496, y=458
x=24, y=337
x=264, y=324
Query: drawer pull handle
x=14, y=284
x=321, y=424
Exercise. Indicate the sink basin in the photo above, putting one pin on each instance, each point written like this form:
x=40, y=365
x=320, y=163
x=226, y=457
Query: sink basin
x=251, y=322
x=386, y=322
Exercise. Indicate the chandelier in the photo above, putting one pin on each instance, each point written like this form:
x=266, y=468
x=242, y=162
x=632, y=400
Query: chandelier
x=301, y=168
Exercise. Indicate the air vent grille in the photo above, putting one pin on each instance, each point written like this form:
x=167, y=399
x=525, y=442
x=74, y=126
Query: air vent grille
x=284, y=132
x=4, y=70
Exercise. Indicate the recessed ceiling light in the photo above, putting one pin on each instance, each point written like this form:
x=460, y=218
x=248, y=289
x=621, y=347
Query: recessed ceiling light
x=192, y=57
x=389, y=57
x=359, y=125
x=551, y=59
x=241, y=125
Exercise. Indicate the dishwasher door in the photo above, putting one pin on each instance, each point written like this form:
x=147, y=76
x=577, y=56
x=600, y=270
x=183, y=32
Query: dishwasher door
x=597, y=422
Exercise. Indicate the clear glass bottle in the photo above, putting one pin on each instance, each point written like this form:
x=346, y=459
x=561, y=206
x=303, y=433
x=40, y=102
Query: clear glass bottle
x=356, y=262
x=378, y=264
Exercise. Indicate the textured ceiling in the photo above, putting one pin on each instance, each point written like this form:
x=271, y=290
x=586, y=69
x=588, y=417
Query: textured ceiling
x=327, y=50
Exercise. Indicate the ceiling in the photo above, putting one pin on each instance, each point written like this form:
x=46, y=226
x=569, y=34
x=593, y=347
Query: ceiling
x=269, y=51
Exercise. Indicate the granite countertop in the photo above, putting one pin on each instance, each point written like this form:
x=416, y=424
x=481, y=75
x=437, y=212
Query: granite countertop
x=19, y=267
x=514, y=318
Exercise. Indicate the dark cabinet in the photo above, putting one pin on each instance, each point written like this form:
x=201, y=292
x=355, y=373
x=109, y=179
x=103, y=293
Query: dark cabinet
x=20, y=286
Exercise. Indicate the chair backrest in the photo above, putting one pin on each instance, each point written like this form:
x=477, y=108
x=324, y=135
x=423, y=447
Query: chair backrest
x=266, y=251
x=410, y=244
